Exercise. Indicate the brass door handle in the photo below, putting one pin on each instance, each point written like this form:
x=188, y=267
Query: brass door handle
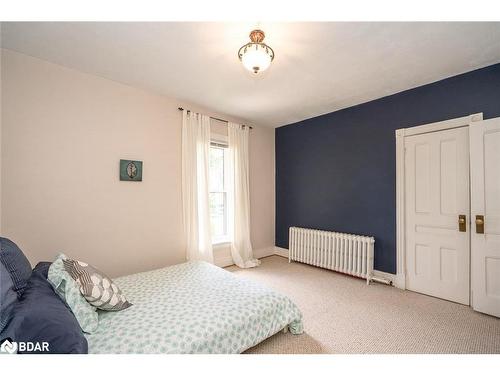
x=462, y=226
x=480, y=224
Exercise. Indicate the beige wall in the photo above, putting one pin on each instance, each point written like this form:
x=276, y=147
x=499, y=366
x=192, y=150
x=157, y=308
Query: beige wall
x=63, y=133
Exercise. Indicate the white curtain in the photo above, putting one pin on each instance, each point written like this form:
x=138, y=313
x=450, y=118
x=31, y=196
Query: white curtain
x=195, y=156
x=239, y=214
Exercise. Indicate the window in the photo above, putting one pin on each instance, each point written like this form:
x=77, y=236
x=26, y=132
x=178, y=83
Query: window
x=218, y=198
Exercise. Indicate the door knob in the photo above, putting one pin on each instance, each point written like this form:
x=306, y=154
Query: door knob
x=462, y=226
x=479, y=224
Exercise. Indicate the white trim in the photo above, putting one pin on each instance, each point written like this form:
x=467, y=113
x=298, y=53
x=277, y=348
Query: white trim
x=282, y=252
x=385, y=276
x=400, y=278
x=442, y=125
x=222, y=254
x=263, y=252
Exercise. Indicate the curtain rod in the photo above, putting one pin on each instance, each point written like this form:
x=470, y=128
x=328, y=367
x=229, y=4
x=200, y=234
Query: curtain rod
x=213, y=118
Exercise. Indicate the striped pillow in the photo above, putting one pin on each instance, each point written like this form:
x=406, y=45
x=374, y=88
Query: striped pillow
x=98, y=289
x=69, y=291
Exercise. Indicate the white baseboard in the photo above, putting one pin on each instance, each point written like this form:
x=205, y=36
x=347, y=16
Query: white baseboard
x=400, y=281
x=282, y=252
x=264, y=252
x=384, y=275
x=381, y=275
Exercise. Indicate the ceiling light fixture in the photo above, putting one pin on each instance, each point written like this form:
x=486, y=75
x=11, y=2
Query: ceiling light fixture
x=256, y=55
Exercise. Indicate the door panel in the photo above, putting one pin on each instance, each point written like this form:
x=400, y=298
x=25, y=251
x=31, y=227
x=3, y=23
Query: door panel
x=437, y=192
x=485, y=200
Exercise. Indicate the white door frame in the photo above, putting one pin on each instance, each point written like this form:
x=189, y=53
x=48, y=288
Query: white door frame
x=400, y=279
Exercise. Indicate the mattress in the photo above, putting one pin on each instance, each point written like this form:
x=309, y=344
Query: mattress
x=193, y=307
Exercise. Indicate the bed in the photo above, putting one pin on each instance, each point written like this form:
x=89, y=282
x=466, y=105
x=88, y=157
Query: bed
x=193, y=307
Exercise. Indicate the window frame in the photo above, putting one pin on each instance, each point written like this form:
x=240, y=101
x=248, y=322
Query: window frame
x=221, y=141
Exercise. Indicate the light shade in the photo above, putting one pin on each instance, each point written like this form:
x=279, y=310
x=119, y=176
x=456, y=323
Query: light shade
x=256, y=56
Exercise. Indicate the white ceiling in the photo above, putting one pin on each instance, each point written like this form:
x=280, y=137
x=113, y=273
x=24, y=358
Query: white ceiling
x=319, y=67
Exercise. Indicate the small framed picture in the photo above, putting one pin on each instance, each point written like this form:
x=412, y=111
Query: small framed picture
x=130, y=170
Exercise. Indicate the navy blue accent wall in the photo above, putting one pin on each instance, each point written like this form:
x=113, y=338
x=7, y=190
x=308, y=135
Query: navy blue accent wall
x=338, y=171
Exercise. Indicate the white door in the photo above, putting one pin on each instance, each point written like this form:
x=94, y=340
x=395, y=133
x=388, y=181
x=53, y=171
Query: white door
x=485, y=210
x=436, y=193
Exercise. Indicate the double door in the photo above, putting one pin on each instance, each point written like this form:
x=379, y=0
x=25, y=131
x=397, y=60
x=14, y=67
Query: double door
x=452, y=205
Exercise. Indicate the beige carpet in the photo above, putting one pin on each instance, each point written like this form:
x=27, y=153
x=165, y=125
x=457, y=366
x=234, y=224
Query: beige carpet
x=344, y=315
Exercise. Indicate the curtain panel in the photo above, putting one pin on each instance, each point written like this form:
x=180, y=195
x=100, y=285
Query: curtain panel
x=241, y=246
x=195, y=198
